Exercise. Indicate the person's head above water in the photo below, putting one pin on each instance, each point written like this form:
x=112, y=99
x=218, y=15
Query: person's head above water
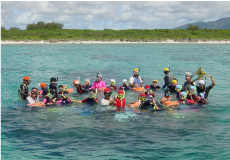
x=174, y=82
x=112, y=82
x=183, y=96
x=107, y=92
x=43, y=85
x=167, y=92
x=61, y=89
x=192, y=90
x=99, y=76
x=142, y=97
x=120, y=94
x=201, y=84
x=124, y=81
x=76, y=83
x=155, y=82
x=34, y=92
x=26, y=80
x=188, y=76
x=178, y=88
x=166, y=71
x=53, y=81
x=136, y=72
x=87, y=82
x=92, y=93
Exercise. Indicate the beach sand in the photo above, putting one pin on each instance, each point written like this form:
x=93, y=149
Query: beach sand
x=107, y=42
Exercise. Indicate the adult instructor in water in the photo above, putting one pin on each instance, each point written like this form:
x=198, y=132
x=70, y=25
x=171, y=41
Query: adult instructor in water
x=135, y=80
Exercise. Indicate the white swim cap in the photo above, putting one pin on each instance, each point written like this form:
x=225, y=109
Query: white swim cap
x=87, y=80
x=112, y=80
x=202, y=82
x=124, y=80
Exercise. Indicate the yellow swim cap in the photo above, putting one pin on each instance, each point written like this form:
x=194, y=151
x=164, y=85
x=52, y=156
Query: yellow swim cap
x=135, y=70
x=155, y=80
x=166, y=69
x=174, y=81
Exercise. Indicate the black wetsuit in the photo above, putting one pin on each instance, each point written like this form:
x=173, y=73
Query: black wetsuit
x=168, y=80
x=205, y=90
x=186, y=86
x=154, y=88
x=53, y=91
x=23, y=91
x=172, y=89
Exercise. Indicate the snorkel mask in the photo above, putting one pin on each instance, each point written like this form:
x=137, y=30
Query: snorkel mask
x=192, y=90
x=120, y=96
x=34, y=91
x=178, y=88
x=92, y=95
x=107, y=93
x=99, y=76
x=143, y=99
x=65, y=96
x=113, y=82
x=168, y=94
x=183, y=96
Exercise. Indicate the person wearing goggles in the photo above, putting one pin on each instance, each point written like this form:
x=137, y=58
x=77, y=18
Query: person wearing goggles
x=172, y=87
x=107, y=100
x=125, y=85
x=188, y=82
x=192, y=94
x=167, y=96
x=183, y=98
x=148, y=91
x=201, y=86
x=78, y=86
x=87, y=85
x=91, y=100
x=49, y=100
x=98, y=84
x=33, y=99
x=119, y=100
x=112, y=85
x=178, y=90
x=65, y=98
x=135, y=80
x=60, y=93
x=168, y=78
x=53, y=87
x=23, y=90
x=154, y=85
x=44, y=89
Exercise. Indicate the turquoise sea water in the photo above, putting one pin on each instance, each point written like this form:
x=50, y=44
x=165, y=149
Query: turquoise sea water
x=78, y=131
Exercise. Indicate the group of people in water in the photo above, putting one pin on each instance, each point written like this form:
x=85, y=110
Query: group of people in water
x=187, y=93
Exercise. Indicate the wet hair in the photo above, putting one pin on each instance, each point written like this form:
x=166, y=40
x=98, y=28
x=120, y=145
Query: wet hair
x=60, y=86
x=65, y=92
x=92, y=90
x=167, y=90
x=34, y=88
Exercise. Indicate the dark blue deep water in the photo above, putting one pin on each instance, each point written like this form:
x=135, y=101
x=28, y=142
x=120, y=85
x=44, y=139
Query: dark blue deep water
x=78, y=131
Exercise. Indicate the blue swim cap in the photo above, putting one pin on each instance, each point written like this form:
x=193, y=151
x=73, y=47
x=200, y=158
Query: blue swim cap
x=183, y=93
x=177, y=86
x=192, y=87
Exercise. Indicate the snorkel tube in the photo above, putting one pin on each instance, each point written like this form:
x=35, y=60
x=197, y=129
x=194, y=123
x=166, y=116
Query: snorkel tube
x=183, y=96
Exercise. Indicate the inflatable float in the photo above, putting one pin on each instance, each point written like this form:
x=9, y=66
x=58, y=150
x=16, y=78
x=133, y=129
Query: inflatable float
x=138, y=89
x=170, y=103
x=35, y=105
x=70, y=90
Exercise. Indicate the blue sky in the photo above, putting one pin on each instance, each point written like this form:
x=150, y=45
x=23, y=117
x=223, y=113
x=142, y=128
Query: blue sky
x=101, y=15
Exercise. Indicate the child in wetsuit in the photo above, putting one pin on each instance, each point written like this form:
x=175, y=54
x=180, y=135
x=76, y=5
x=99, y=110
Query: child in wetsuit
x=91, y=100
x=154, y=85
x=112, y=85
x=125, y=85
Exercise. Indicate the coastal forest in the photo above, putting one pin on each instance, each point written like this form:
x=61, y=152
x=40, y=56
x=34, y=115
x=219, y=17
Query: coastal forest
x=55, y=31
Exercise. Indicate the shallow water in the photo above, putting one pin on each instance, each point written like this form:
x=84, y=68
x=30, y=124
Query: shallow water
x=78, y=131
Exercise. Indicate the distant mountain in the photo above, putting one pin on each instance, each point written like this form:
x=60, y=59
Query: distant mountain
x=223, y=23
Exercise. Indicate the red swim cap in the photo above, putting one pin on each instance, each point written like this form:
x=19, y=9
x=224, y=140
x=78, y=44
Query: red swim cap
x=121, y=92
x=107, y=90
x=147, y=87
x=43, y=85
x=143, y=95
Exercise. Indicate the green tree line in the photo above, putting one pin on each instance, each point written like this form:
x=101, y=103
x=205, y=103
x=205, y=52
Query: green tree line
x=144, y=35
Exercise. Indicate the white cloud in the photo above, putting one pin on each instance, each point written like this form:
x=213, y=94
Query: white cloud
x=118, y=15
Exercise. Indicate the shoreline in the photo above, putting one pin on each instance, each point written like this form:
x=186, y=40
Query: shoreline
x=110, y=42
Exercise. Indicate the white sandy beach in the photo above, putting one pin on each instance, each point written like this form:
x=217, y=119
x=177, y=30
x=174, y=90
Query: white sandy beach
x=105, y=42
